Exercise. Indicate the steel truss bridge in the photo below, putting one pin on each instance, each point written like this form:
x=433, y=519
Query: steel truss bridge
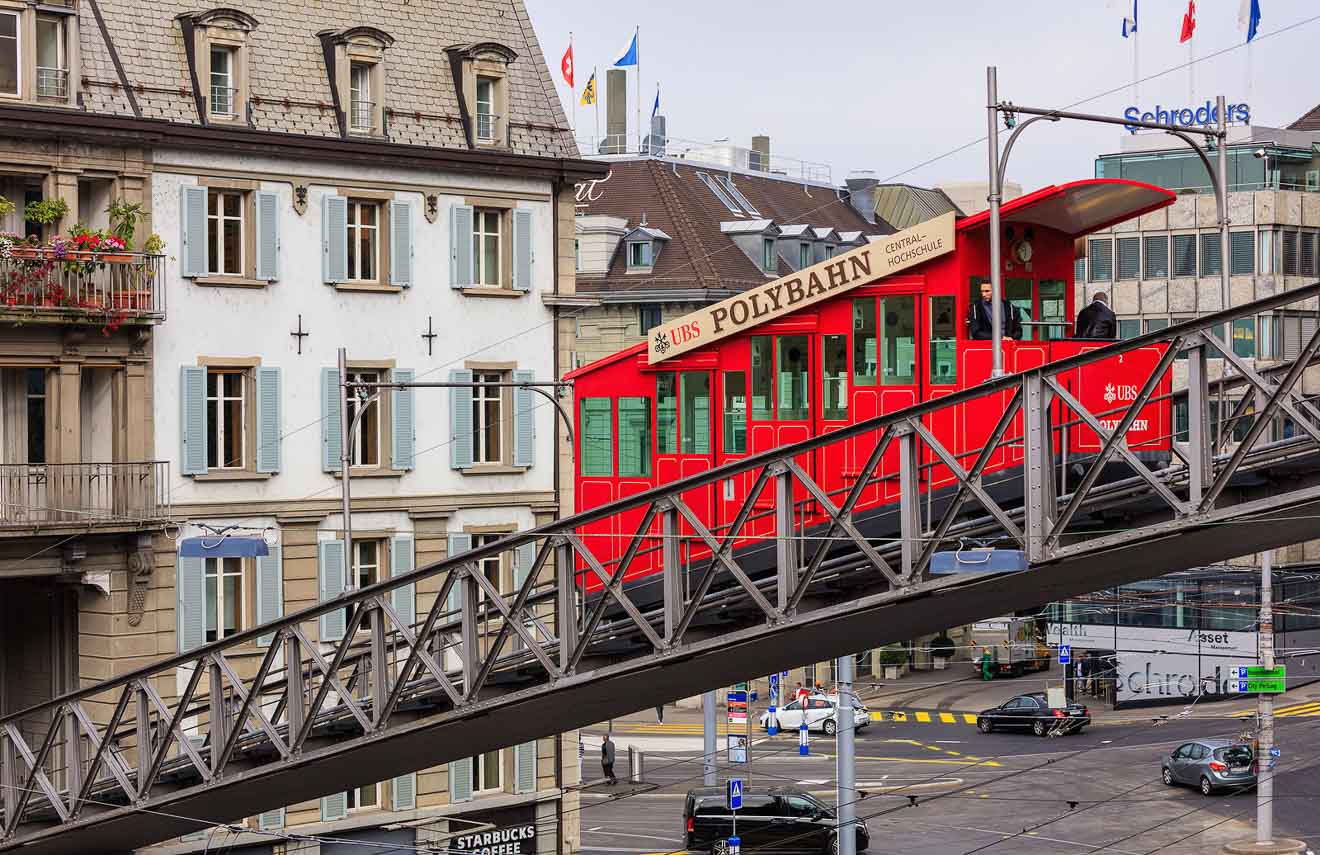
x=211, y=736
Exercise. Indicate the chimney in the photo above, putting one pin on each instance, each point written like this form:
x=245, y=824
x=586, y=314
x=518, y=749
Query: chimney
x=616, y=112
x=862, y=190
x=760, y=158
x=655, y=143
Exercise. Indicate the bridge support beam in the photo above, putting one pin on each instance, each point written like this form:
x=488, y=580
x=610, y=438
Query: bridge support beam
x=709, y=751
x=1038, y=464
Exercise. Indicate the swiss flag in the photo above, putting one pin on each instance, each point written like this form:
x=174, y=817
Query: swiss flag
x=1189, y=22
x=566, y=65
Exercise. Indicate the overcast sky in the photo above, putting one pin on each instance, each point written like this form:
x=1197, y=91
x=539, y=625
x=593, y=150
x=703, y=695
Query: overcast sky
x=883, y=85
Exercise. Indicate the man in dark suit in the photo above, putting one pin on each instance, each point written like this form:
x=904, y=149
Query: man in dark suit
x=1097, y=320
x=980, y=322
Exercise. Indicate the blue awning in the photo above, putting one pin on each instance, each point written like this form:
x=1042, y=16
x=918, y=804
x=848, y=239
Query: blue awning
x=223, y=547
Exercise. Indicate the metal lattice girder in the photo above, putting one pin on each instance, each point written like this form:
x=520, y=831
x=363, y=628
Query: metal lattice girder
x=209, y=736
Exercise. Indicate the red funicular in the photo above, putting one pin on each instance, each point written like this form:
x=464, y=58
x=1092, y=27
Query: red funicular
x=734, y=380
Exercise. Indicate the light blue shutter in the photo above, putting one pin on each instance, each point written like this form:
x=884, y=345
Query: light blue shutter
x=192, y=237
x=268, y=419
x=523, y=559
x=460, y=246
x=401, y=243
x=332, y=446
x=460, y=420
x=524, y=762
x=268, y=235
x=524, y=421
x=334, y=807
x=192, y=422
x=334, y=239
x=330, y=575
x=522, y=250
x=460, y=780
x=401, y=562
x=404, y=428
x=271, y=819
x=190, y=611
x=270, y=590
x=458, y=544
x=405, y=792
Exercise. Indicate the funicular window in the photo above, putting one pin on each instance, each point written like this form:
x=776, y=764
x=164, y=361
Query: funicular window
x=794, y=365
x=666, y=413
x=943, y=340
x=634, y=437
x=763, y=378
x=834, y=377
x=1018, y=294
x=864, y=341
x=1053, y=309
x=735, y=412
x=694, y=387
x=597, y=437
x=898, y=343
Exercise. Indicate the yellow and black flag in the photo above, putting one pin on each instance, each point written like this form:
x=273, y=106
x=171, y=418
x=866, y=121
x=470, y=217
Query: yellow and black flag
x=589, y=92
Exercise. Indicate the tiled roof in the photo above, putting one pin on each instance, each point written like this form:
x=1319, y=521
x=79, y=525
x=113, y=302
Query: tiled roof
x=1308, y=122
x=699, y=255
x=904, y=206
x=288, y=84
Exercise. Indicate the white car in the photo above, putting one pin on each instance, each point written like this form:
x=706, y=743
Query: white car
x=821, y=713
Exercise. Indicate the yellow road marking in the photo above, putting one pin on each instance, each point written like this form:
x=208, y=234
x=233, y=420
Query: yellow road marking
x=930, y=760
x=1299, y=709
x=948, y=718
x=923, y=717
x=969, y=718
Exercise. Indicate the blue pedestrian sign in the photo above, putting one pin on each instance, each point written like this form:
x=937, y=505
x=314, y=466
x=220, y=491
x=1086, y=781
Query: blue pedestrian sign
x=735, y=793
x=1275, y=753
x=1065, y=654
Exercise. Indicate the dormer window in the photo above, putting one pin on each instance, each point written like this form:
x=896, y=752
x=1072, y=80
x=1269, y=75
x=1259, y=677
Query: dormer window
x=830, y=249
x=485, y=112
x=769, y=260
x=642, y=246
x=35, y=52
x=52, y=58
x=10, y=55
x=639, y=255
x=804, y=255
x=219, y=39
x=222, y=81
x=481, y=75
x=356, y=72
x=361, y=108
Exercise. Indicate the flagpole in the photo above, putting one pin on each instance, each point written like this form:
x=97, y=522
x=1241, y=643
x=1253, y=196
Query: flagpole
x=637, y=40
x=595, y=100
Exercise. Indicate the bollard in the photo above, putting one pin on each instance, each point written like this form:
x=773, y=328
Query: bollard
x=735, y=845
x=636, y=765
x=771, y=722
x=802, y=739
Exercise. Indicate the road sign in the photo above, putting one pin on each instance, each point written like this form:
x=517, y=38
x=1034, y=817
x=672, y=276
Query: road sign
x=737, y=705
x=1260, y=672
x=735, y=793
x=1260, y=680
x=737, y=748
x=1276, y=753
x=1065, y=654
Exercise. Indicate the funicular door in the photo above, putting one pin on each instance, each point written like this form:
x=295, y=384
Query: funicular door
x=940, y=378
x=887, y=378
x=833, y=386
x=685, y=444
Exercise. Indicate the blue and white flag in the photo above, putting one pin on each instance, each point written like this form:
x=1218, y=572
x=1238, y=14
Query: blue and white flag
x=629, y=55
x=655, y=108
x=1130, y=22
x=1249, y=17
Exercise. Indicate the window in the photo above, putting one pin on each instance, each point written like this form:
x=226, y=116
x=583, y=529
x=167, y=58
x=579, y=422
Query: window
x=1307, y=267
x=9, y=53
x=223, y=90
x=1242, y=253
x=1156, y=324
x=226, y=422
x=486, y=253
x=1157, y=256
x=763, y=377
x=488, y=772
x=486, y=118
x=694, y=424
x=898, y=342
x=725, y=199
x=224, y=232
x=648, y=317
x=863, y=316
x=365, y=445
x=595, y=437
x=639, y=255
x=634, y=437
x=224, y=597
x=1290, y=255
x=1210, y=254
x=943, y=340
x=1050, y=293
x=1079, y=269
x=732, y=190
x=366, y=563
x=834, y=377
x=666, y=413
x=735, y=412
x=1244, y=337
x=361, y=107
x=363, y=240
x=769, y=260
x=804, y=255
x=1184, y=255
x=1101, y=255
x=492, y=567
x=36, y=414
x=363, y=798
x=1129, y=257
x=52, y=58
x=487, y=419
x=830, y=249
x=793, y=377
x=1129, y=328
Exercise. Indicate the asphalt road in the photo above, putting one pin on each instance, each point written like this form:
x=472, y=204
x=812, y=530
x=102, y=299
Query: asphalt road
x=1098, y=791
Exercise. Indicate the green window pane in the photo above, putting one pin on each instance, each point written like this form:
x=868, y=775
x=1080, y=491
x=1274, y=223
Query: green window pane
x=834, y=377
x=1018, y=294
x=694, y=387
x=666, y=408
x=1129, y=328
x=898, y=341
x=1100, y=254
x=1244, y=337
x=864, y=341
x=943, y=340
x=634, y=437
x=763, y=378
x=735, y=412
x=793, y=367
x=596, y=440
x=1053, y=310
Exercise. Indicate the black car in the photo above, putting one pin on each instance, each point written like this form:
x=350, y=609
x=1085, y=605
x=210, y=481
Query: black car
x=1033, y=712
x=779, y=819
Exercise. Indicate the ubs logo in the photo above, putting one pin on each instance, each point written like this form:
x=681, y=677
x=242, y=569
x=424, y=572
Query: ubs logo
x=661, y=342
x=1110, y=394
x=1125, y=392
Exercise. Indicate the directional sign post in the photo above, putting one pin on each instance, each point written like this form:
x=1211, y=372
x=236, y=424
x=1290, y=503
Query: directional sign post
x=771, y=722
x=1257, y=679
x=1065, y=654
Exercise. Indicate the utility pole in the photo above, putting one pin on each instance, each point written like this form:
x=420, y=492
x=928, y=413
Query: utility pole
x=846, y=796
x=708, y=734
x=996, y=250
x=345, y=454
x=1265, y=708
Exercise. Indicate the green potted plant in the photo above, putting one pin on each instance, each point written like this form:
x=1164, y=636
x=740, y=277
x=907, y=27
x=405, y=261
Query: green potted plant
x=941, y=651
x=6, y=207
x=46, y=212
x=124, y=216
x=893, y=657
x=153, y=245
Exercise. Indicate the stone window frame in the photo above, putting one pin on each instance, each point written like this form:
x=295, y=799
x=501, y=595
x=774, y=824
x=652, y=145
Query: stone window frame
x=357, y=46
x=219, y=27
x=489, y=60
x=384, y=244
x=248, y=277
x=247, y=365
x=385, y=415
x=505, y=207
x=505, y=466
x=27, y=14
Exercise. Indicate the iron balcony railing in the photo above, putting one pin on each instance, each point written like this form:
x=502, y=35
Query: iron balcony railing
x=68, y=285
x=52, y=83
x=362, y=115
x=41, y=495
x=487, y=125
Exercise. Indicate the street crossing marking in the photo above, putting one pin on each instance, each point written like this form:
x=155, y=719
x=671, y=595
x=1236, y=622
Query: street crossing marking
x=1307, y=708
x=907, y=716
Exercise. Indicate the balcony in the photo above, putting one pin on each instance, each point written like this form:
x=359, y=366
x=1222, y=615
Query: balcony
x=362, y=116
x=55, y=497
x=66, y=286
x=52, y=84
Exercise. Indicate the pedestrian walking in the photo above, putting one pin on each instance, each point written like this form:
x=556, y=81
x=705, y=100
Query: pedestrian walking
x=987, y=672
x=660, y=713
x=801, y=693
x=607, y=760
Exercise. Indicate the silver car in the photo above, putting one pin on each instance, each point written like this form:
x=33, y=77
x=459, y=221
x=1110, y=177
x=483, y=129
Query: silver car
x=1210, y=765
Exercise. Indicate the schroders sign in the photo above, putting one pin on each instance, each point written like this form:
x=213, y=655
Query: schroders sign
x=829, y=278
x=1188, y=117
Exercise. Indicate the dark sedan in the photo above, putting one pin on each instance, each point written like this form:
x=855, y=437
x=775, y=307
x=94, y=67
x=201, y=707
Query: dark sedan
x=1033, y=712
